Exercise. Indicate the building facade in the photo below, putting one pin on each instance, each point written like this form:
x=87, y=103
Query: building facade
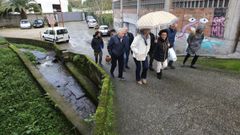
x=50, y=6
x=221, y=19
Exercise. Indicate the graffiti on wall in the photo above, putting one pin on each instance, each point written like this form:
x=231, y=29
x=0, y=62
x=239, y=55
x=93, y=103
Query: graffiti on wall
x=192, y=24
x=208, y=45
x=217, y=29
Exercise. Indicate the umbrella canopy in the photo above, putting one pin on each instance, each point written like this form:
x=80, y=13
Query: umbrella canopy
x=156, y=19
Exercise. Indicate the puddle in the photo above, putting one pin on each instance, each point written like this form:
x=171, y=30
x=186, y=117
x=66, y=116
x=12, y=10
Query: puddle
x=56, y=74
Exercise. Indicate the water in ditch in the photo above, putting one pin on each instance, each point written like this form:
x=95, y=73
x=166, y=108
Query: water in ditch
x=56, y=74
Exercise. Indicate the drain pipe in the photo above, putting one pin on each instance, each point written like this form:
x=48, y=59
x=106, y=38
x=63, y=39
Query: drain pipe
x=237, y=40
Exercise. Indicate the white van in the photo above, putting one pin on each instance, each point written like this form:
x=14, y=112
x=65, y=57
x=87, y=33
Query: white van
x=56, y=34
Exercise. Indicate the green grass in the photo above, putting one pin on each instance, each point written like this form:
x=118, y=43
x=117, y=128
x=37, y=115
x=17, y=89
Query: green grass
x=2, y=41
x=30, y=47
x=24, y=109
x=231, y=65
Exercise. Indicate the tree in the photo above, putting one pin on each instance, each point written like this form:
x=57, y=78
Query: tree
x=75, y=3
x=98, y=6
x=20, y=6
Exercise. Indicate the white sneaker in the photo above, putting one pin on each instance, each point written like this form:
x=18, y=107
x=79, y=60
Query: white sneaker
x=144, y=81
x=139, y=82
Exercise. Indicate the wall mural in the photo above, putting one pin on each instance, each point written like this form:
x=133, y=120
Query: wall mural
x=208, y=45
x=192, y=24
x=217, y=29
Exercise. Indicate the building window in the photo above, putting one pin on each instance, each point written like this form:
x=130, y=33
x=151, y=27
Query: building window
x=197, y=2
x=56, y=7
x=152, y=4
x=193, y=4
x=116, y=5
x=210, y=3
x=215, y=3
x=130, y=4
x=201, y=4
x=226, y=3
x=220, y=3
x=206, y=3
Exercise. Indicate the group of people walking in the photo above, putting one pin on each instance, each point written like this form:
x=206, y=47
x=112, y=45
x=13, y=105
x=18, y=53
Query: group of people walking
x=145, y=44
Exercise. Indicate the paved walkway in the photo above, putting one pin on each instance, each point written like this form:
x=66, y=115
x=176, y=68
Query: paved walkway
x=184, y=102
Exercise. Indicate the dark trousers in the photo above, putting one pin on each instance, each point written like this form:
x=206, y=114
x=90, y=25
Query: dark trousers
x=138, y=69
x=195, y=58
x=126, y=58
x=120, y=60
x=98, y=55
x=151, y=61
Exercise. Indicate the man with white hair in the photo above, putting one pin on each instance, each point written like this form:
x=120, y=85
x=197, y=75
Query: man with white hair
x=116, y=48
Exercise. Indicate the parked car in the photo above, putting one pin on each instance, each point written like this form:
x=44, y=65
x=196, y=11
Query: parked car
x=92, y=23
x=104, y=30
x=25, y=24
x=56, y=34
x=38, y=23
x=89, y=18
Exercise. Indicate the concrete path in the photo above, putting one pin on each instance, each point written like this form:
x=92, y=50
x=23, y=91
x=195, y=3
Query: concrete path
x=185, y=102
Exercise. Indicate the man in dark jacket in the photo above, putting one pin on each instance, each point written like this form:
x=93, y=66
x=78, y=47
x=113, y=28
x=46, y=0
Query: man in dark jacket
x=151, y=52
x=97, y=46
x=116, y=47
x=129, y=37
x=171, y=38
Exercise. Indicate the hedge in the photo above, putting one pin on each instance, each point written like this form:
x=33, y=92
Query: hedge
x=39, y=43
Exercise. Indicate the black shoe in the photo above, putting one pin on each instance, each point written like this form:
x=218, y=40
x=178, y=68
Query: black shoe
x=151, y=69
x=193, y=67
x=159, y=75
x=112, y=75
x=127, y=67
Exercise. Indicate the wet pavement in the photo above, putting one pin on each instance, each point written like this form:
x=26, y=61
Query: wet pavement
x=55, y=73
x=185, y=102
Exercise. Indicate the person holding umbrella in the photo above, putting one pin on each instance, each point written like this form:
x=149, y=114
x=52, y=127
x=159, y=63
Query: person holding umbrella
x=161, y=52
x=194, y=44
x=140, y=48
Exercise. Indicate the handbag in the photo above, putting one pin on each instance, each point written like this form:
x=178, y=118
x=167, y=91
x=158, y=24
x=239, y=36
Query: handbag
x=172, y=55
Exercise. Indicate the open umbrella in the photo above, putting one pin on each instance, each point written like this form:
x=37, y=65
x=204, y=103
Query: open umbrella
x=156, y=19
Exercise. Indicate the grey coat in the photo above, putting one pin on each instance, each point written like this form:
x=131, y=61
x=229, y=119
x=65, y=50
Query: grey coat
x=194, y=43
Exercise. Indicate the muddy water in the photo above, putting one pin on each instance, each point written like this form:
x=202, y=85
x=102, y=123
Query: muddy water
x=56, y=74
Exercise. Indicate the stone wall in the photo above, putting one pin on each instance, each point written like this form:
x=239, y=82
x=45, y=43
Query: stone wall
x=14, y=20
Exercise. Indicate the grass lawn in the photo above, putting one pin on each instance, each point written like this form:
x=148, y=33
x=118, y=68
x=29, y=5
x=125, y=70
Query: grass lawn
x=231, y=65
x=24, y=109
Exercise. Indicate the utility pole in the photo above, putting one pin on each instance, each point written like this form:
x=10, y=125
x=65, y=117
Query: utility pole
x=138, y=8
x=61, y=12
x=121, y=10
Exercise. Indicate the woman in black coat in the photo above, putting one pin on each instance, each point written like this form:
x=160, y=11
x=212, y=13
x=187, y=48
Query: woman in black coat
x=97, y=46
x=161, y=52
